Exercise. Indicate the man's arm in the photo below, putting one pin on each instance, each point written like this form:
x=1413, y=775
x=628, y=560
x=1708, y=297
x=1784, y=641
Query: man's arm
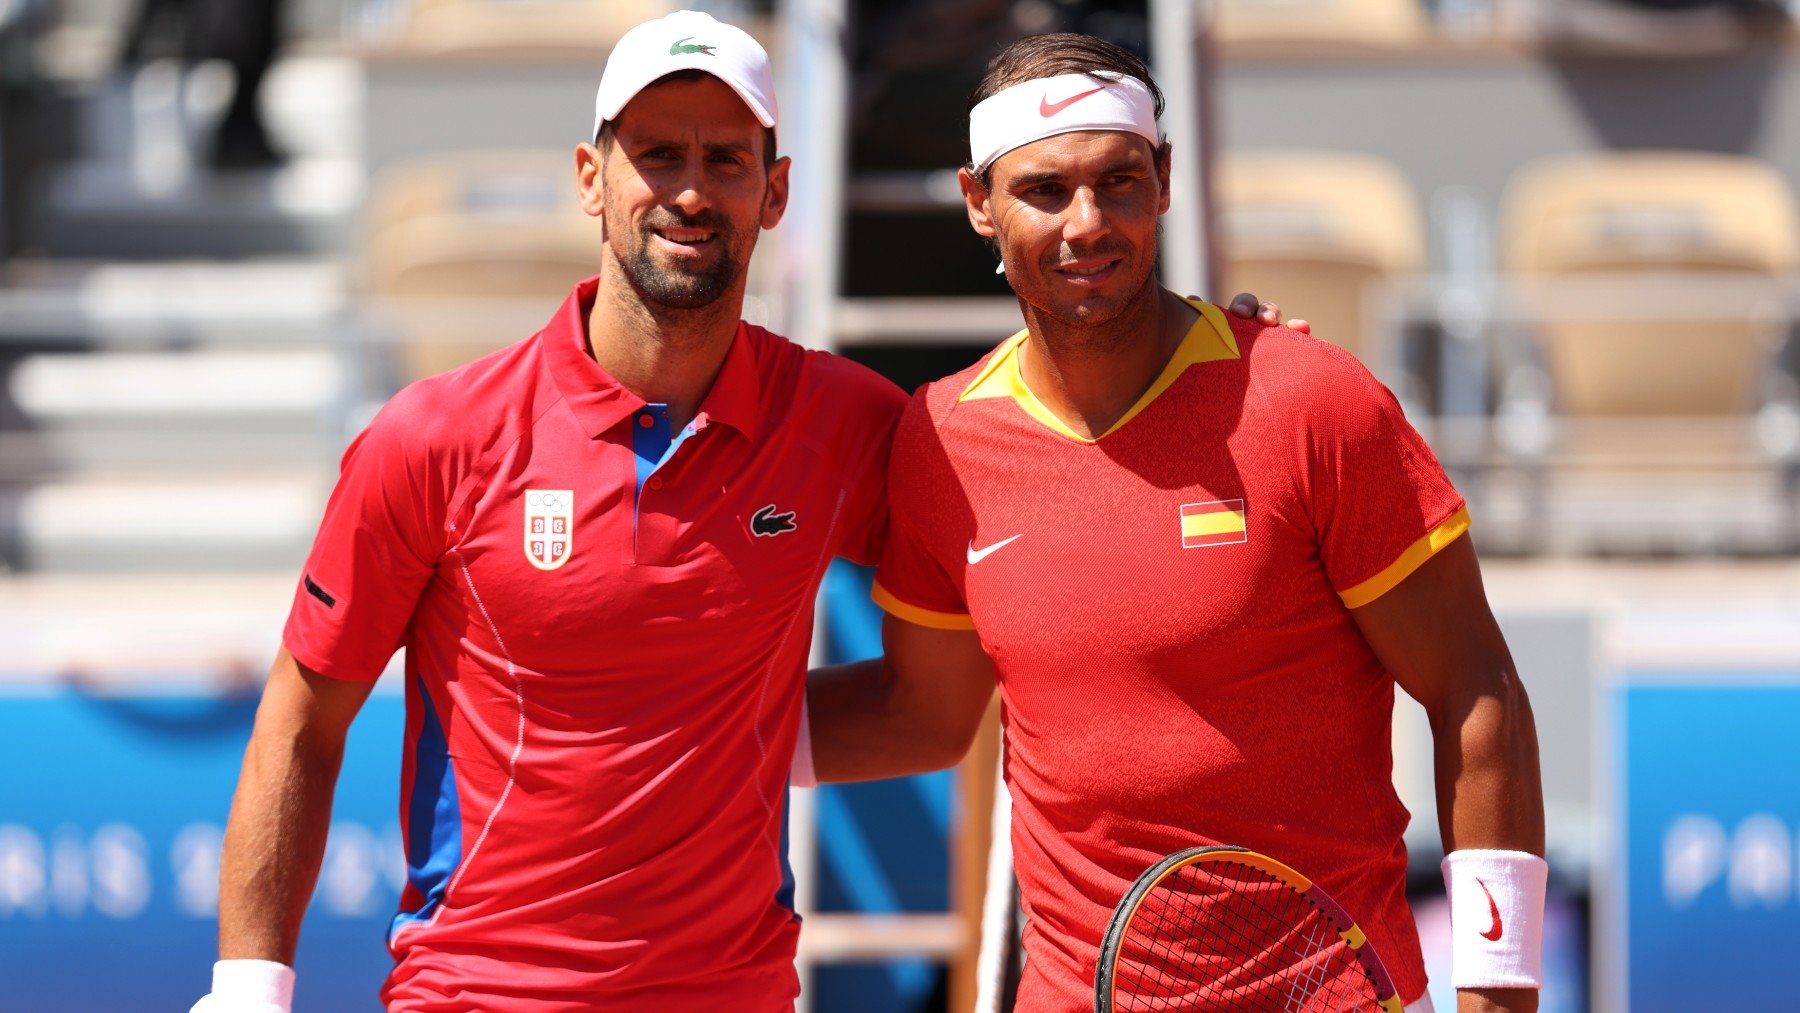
x=914, y=709
x=276, y=836
x=1435, y=633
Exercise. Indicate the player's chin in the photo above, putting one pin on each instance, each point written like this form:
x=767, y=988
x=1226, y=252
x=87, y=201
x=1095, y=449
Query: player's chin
x=686, y=289
x=1088, y=309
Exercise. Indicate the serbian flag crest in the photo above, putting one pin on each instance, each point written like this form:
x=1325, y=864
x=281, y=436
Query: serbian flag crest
x=1219, y=522
x=549, y=526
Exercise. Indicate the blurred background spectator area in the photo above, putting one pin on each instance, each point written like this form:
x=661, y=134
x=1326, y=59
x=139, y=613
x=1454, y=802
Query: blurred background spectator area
x=1562, y=231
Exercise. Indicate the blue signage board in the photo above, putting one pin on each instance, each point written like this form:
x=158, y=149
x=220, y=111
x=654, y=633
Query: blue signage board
x=1707, y=797
x=112, y=810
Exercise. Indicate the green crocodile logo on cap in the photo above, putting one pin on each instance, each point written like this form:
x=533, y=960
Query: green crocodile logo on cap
x=678, y=48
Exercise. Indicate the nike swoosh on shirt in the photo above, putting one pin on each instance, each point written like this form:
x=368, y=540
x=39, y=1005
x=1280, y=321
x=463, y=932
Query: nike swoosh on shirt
x=977, y=555
x=1047, y=109
x=1492, y=935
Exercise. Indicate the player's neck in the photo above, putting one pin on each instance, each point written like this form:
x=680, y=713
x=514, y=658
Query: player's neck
x=1091, y=376
x=662, y=354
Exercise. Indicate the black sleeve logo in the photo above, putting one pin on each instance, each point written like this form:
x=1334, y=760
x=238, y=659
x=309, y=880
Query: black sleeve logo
x=318, y=592
x=766, y=523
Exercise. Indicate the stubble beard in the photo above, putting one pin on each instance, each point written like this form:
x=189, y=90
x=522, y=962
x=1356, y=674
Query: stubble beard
x=1087, y=330
x=674, y=287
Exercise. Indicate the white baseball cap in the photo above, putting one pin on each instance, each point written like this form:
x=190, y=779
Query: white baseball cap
x=686, y=40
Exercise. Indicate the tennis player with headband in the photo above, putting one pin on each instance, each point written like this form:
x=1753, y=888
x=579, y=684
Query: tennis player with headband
x=1197, y=554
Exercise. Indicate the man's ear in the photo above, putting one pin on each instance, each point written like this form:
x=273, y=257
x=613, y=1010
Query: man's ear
x=1163, y=155
x=975, y=202
x=590, y=168
x=775, y=198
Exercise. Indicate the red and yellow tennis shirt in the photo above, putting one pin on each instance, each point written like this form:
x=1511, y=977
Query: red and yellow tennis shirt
x=1168, y=608
x=606, y=640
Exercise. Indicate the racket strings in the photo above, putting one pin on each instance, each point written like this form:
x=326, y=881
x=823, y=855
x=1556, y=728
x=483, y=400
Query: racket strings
x=1219, y=935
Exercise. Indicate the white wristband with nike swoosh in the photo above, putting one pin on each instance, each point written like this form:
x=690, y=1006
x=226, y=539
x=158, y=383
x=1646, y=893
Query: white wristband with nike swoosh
x=1496, y=918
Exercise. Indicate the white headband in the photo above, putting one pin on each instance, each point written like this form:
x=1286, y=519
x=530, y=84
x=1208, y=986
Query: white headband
x=1047, y=106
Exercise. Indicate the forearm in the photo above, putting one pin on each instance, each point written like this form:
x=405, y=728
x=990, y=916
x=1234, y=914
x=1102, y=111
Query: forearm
x=1490, y=797
x=1437, y=635
x=867, y=724
x=273, y=845
x=1489, y=791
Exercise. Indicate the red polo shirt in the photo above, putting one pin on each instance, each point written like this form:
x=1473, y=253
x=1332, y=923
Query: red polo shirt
x=1168, y=608
x=603, y=680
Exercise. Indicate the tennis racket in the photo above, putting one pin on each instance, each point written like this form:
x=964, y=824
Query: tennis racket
x=1226, y=929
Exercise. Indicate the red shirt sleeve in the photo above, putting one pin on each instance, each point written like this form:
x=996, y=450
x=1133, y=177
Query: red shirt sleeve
x=913, y=582
x=1380, y=502
x=377, y=546
x=875, y=405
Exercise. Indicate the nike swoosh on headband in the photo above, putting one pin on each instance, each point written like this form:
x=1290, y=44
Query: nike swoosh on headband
x=1047, y=109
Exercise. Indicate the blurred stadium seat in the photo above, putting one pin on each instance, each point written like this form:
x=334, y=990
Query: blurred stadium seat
x=244, y=522
x=468, y=253
x=192, y=410
x=168, y=416
x=1642, y=214
x=1633, y=384
x=1319, y=230
x=1667, y=27
x=585, y=26
x=1362, y=22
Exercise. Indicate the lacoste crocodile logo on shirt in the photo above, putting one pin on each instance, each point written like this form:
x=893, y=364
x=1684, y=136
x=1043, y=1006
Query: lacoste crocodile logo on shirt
x=766, y=523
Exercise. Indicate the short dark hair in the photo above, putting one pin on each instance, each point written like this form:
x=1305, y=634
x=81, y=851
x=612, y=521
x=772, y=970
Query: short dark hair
x=1036, y=56
x=604, y=139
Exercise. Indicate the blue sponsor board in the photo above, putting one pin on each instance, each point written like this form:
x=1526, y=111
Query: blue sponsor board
x=1707, y=792
x=111, y=815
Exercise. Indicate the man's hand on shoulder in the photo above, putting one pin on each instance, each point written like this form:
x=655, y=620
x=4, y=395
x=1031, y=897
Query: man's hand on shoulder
x=1250, y=308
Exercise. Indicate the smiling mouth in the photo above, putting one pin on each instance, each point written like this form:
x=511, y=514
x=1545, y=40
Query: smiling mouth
x=1083, y=271
x=688, y=238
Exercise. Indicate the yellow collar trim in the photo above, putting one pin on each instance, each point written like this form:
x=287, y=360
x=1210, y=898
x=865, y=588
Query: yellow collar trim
x=1209, y=340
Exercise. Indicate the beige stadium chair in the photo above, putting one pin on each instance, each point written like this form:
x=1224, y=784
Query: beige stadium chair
x=1620, y=218
x=1657, y=289
x=471, y=252
x=588, y=27
x=1352, y=22
x=1317, y=231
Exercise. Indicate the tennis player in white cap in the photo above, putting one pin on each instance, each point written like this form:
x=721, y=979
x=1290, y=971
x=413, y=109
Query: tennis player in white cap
x=599, y=548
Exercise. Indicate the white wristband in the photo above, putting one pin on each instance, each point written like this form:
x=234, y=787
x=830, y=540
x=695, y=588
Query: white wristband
x=249, y=986
x=801, y=775
x=1496, y=918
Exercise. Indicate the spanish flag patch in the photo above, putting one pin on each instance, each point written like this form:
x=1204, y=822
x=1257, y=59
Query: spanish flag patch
x=1220, y=522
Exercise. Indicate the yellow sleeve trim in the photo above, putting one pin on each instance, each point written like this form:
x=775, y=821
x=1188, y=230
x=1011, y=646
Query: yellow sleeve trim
x=1415, y=556
x=918, y=616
